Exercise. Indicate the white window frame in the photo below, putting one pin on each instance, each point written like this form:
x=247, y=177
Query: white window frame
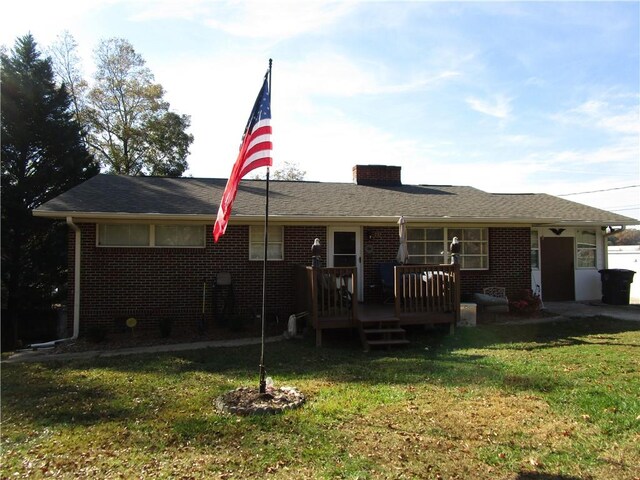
x=445, y=243
x=152, y=236
x=331, y=244
x=256, y=248
x=535, y=248
x=591, y=248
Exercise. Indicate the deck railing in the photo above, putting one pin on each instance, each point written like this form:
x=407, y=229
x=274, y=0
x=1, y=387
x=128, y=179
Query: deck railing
x=423, y=294
x=329, y=295
x=427, y=291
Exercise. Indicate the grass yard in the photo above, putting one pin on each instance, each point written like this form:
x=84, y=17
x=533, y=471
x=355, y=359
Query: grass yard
x=539, y=402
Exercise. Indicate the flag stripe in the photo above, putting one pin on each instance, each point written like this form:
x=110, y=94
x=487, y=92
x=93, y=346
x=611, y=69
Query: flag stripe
x=263, y=162
x=265, y=122
x=255, y=152
x=256, y=139
x=263, y=148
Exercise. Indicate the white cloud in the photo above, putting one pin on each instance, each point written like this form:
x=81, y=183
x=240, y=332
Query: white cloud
x=611, y=113
x=498, y=106
x=42, y=18
x=167, y=9
x=522, y=141
x=333, y=74
x=276, y=20
x=618, y=153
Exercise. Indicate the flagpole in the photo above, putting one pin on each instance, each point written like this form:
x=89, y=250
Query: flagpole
x=263, y=381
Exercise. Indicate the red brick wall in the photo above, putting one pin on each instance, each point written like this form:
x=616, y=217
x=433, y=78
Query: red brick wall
x=376, y=175
x=154, y=283
x=509, y=263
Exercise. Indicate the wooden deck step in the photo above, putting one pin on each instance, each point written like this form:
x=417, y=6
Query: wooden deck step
x=380, y=321
x=381, y=331
x=399, y=341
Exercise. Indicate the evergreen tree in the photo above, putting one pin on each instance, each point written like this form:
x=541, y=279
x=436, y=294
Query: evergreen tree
x=42, y=156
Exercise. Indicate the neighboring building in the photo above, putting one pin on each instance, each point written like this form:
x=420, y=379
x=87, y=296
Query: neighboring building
x=627, y=257
x=143, y=247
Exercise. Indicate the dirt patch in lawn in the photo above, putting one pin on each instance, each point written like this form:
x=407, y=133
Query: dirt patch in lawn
x=249, y=400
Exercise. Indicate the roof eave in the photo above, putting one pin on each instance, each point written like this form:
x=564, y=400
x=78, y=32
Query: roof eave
x=98, y=216
x=369, y=220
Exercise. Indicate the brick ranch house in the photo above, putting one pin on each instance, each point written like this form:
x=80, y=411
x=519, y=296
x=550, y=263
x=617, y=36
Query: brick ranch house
x=143, y=247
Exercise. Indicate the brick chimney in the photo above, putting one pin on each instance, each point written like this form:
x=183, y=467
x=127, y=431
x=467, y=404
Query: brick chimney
x=377, y=175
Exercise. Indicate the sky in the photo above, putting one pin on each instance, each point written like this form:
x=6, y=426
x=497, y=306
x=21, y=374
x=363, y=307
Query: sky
x=505, y=97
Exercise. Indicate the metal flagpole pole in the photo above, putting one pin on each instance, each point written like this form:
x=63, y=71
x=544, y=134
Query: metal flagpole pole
x=263, y=381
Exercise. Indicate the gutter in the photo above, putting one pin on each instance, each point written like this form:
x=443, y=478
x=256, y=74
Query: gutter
x=373, y=220
x=76, y=291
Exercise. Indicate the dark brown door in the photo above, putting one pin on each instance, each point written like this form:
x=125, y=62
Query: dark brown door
x=557, y=269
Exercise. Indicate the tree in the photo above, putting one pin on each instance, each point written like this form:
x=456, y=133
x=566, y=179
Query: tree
x=130, y=128
x=629, y=236
x=42, y=156
x=67, y=70
x=288, y=171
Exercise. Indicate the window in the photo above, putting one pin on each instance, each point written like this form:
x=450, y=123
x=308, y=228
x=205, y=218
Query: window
x=179, y=236
x=586, y=248
x=535, y=250
x=275, y=248
x=431, y=245
x=426, y=245
x=124, y=235
x=474, y=247
x=143, y=235
x=344, y=249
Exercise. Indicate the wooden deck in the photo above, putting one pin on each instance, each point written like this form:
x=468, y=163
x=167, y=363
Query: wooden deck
x=379, y=327
x=423, y=294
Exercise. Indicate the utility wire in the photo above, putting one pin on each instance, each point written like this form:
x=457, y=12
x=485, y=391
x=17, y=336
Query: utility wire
x=624, y=209
x=598, y=191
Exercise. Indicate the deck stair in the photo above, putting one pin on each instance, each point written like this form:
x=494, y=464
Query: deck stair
x=382, y=332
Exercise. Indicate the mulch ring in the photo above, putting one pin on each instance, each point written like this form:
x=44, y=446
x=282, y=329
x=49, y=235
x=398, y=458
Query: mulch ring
x=249, y=400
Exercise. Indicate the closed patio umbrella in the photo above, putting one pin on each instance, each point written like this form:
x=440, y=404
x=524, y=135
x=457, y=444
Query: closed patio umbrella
x=403, y=251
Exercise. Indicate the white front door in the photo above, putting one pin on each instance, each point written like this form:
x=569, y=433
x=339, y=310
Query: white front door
x=344, y=250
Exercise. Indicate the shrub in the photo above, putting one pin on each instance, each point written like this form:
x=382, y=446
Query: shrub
x=527, y=303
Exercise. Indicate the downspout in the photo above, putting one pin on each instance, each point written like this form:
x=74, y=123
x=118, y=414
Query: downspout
x=76, y=291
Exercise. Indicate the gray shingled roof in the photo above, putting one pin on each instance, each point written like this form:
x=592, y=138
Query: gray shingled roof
x=112, y=195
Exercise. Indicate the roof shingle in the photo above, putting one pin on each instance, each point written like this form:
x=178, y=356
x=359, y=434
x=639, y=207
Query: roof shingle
x=303, y=200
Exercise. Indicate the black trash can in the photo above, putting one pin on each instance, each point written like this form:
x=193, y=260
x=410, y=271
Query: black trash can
x=616, y=285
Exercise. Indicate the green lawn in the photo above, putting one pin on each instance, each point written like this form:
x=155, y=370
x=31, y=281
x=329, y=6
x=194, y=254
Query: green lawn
x=559, y=400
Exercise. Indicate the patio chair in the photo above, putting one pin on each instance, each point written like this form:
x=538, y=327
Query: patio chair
x=334, y=290
x=385, y=270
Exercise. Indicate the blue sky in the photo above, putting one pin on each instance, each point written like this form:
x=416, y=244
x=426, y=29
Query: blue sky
x=505, y=97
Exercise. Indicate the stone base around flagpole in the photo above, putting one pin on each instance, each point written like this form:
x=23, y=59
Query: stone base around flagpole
x=249, y=401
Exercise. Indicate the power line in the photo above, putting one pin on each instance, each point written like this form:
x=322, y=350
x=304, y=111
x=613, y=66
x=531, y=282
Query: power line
x=598, y=191
x=629, y=205
x=624, y=209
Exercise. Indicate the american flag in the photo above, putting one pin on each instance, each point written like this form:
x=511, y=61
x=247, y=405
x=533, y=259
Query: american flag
x=255, y=152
